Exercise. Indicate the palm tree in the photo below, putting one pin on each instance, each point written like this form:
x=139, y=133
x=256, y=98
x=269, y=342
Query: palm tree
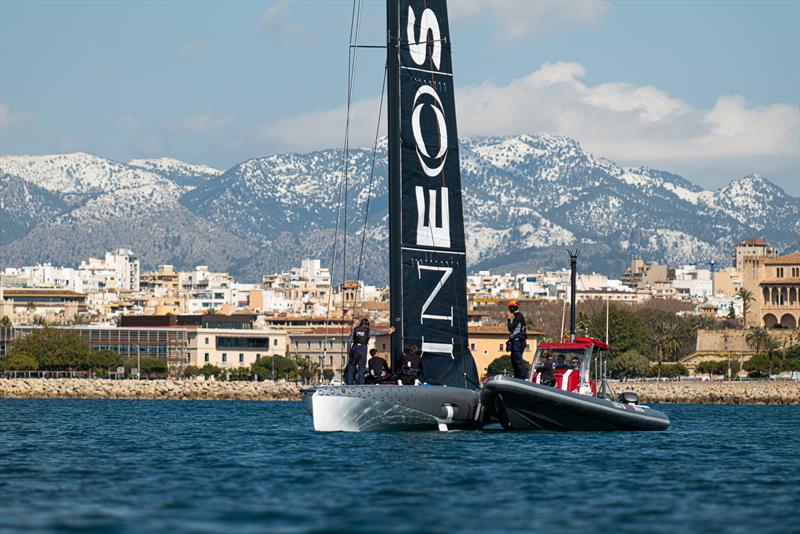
x=756, y=339
x=703, y=322
x=771, y=346
x=668, y=341
x=746, y=296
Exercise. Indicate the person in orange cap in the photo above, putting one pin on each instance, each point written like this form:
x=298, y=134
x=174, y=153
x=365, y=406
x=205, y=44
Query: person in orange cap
x=517, y=337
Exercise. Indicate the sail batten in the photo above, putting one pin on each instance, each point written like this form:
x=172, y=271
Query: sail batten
x=427, y=247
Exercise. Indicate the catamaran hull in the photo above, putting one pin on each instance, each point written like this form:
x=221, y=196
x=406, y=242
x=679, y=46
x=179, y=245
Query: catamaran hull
x=523, y=405
x=389, y=407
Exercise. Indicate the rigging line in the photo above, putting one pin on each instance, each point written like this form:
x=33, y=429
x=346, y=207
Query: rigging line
x=339, y=199
x=352, y=63
x=369, y=187
x=353, y=53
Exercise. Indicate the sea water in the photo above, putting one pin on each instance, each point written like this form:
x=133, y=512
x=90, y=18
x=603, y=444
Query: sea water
x=226, y=466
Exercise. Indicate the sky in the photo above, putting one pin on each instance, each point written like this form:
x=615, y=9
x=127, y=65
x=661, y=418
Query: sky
x=710, y=90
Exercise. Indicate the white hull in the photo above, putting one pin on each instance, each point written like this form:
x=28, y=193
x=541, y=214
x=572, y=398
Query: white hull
x=387, y=408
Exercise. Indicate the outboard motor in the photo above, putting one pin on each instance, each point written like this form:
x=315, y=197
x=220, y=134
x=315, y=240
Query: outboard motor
x=629, y=397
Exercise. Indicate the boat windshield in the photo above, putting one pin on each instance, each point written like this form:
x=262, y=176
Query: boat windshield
x=571, y=358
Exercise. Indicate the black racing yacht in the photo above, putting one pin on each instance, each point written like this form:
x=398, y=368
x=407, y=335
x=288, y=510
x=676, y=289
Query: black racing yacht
x=426, y=240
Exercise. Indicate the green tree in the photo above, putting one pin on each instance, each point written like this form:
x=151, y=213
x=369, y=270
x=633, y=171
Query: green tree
x=103, y=360
x=150, y=367
x=191, y=371
x=210, y=311
x=670, y=370
x=712, y=368
x=5, y=321
x=758, y=366
x=307, y=368
x=756, y=339
x=209, y=370
x=668, y=342
x=703, y=322
x=746, y=296
x=501, y=365
x=626, y=329
x=731, y=311
x=18, y=362
x=53, y=348
x=284, y=367
x=240, y=374
x=771, y=345
x=629, y=364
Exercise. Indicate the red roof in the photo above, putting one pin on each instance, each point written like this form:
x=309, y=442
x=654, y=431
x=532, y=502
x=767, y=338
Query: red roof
x=580, y=343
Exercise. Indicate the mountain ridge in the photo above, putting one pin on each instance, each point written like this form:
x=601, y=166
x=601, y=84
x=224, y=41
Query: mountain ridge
x=526, y=198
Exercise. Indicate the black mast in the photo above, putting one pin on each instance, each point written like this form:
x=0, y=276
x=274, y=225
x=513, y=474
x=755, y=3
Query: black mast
x=573, y=282
x=395, y=181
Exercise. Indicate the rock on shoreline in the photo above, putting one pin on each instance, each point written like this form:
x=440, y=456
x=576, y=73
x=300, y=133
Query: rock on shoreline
x=760, y=392
x=714, y=392
x=37, y=388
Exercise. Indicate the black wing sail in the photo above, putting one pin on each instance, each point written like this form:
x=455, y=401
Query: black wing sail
x=428, y=257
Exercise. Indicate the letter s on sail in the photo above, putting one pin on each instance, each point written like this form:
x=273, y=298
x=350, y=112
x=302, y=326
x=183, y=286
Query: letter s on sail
x=417, y=49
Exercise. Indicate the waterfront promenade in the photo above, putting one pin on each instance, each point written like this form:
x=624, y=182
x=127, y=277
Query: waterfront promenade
x=715, y=392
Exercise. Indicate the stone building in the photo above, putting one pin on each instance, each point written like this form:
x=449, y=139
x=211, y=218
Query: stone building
x=779, y=295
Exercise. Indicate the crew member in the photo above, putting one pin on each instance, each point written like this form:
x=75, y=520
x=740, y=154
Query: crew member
x=545, y=370
x=377, y=368
x=357, y=357
x=410, y=367
x=561, y=362
x=517, y=337
x=575, y=363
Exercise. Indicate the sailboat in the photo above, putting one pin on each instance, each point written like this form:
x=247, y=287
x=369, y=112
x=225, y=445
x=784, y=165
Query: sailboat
x=428, y=299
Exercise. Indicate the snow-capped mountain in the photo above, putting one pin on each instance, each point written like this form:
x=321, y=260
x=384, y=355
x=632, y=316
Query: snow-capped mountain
x=185, y=174
x=526, y=198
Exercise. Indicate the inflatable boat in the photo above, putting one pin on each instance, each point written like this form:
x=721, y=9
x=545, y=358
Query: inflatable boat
x=562, y=394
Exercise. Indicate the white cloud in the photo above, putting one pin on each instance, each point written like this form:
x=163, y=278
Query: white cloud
x=628, y=123
x=193, y=48
x=7, y=117
x=199, y=122
x=517, y=19
x=275, y=19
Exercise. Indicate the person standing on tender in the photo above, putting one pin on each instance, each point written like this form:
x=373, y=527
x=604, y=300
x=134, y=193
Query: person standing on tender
x=517, y=337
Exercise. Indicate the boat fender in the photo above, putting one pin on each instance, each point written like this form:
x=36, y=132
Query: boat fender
x=449, y=411
x=629, y=397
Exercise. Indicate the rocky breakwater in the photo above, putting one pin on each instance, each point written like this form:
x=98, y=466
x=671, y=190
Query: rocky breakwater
x=36, y=388
x=714, y=392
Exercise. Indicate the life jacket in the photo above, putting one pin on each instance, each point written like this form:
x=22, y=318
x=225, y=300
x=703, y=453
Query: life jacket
x=566, y=379
x=361, y=335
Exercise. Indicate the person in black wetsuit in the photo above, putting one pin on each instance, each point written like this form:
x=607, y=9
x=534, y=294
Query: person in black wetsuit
x=357, y=357
x=517, y=337
x=377, y=368
x=410, y=367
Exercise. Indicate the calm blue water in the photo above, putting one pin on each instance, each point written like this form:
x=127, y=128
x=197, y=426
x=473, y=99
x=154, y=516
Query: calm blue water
x=144, y=466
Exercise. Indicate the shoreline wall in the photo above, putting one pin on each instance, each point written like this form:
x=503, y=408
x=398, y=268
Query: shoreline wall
x=76, y=388
x=714, y=392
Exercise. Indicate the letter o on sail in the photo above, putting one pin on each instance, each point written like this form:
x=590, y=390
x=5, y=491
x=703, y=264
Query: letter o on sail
x=441, y=124
x=417, y=49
